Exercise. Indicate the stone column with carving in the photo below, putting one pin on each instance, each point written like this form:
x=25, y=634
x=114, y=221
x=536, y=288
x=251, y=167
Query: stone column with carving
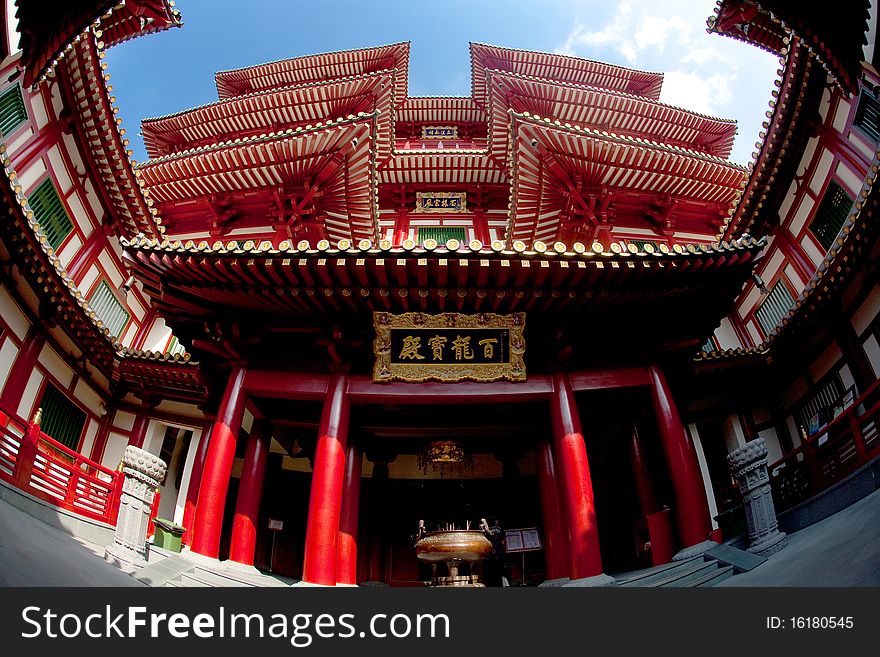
x=748, y=464
x=143, y=472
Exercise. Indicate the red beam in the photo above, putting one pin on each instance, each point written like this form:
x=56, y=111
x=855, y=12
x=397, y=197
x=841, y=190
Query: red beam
x=286, y=385
x=363, y=390
x=603, y=379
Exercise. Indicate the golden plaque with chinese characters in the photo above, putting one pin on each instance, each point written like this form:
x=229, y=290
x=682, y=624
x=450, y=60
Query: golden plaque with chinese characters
x=419, y=347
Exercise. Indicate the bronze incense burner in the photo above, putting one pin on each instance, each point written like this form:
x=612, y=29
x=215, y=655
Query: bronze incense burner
x=454, y=548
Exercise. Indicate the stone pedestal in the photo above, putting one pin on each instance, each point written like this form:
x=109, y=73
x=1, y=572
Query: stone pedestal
x=748, y=465
x=142, y=472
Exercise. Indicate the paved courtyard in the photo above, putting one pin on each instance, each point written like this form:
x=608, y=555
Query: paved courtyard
x=843, y=550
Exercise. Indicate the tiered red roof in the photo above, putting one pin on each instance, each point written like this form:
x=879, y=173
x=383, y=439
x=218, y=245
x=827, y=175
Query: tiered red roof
x=595, y=179
x=322, y=172
x=560, y=68
x=613, y=151
x=318, y=68
x=271, y=111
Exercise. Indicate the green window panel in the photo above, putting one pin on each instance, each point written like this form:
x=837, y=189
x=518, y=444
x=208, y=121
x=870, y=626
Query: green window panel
x=441, y=234
x=12, y=110
x=109, y=309
x=62, y=419
x=868, y=115
x=774, y=307
x=50, y=213
x=831, y=215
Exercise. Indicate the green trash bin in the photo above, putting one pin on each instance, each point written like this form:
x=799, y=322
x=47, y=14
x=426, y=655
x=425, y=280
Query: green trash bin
x=167, y=535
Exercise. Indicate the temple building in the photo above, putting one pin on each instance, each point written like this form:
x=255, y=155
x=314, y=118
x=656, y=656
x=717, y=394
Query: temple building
x=336, y=310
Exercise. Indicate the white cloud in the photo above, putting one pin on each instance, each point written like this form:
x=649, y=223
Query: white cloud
x=707, y=95
x=630, y=34
x=655, y=31
x=704, y=73
x=614, y=33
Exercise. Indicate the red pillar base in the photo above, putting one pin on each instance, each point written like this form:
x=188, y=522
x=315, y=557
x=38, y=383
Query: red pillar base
x=346, y=545
x=691, y=506
x=250, y=491
x=325, y=498
x=218, y=468
x=571, y=455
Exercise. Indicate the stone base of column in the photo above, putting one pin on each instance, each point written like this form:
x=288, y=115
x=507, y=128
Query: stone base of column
x=583, y=582
x=309, y=585
x=694, y=550
x=201, y=560
x=562, y=581
x=240, y=568
x=771, y=545
x=592, y=582
x=126, y=560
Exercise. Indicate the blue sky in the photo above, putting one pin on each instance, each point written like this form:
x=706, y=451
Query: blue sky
x=174, y=70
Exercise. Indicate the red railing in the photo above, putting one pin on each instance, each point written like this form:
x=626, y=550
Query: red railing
x=36, y=463
x=841, y=447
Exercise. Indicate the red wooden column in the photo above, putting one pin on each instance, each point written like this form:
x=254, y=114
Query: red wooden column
x=571, y=455
x=325, y=498
x=346, y=542
x=556, y=548
x=644, y=485
x=218, y=468
x=250, y=490
x=691, y=507
x=139, y=430
x=22, y=368
x=192, y=490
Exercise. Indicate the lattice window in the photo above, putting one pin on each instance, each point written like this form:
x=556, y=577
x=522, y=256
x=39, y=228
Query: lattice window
x=710, y=345
x=821, y=403
x=868, y=115
x=50, y=213
x=441, y=234
x=774, y=307
x=62, y=419
x=109, y=309
x=832, y=213
x=12, y=110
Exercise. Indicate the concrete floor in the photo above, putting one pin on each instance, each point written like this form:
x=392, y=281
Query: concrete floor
x=843, y=550
x=33, y=553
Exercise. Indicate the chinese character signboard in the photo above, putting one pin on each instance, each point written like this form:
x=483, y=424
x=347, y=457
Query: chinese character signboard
x=454, y=202
x=449, y=347
x=439, y=132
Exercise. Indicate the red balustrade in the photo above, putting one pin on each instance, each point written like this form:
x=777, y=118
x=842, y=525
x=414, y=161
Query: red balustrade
x=844, y=445
x=36, y=463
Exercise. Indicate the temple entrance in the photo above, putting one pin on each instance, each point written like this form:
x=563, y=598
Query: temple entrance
x=627, y=488
x=450, y=465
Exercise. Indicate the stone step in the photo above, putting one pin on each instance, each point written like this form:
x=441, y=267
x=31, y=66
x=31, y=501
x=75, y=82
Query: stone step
x=721, y=574
x=202, y=577
x=647, y=577
x=690, y=578
x=681, y=578
x=158, y=570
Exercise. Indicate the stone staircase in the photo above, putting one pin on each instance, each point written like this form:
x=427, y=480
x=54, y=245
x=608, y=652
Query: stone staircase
x=696, y=572
x=714, y=566
x=169, y=569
